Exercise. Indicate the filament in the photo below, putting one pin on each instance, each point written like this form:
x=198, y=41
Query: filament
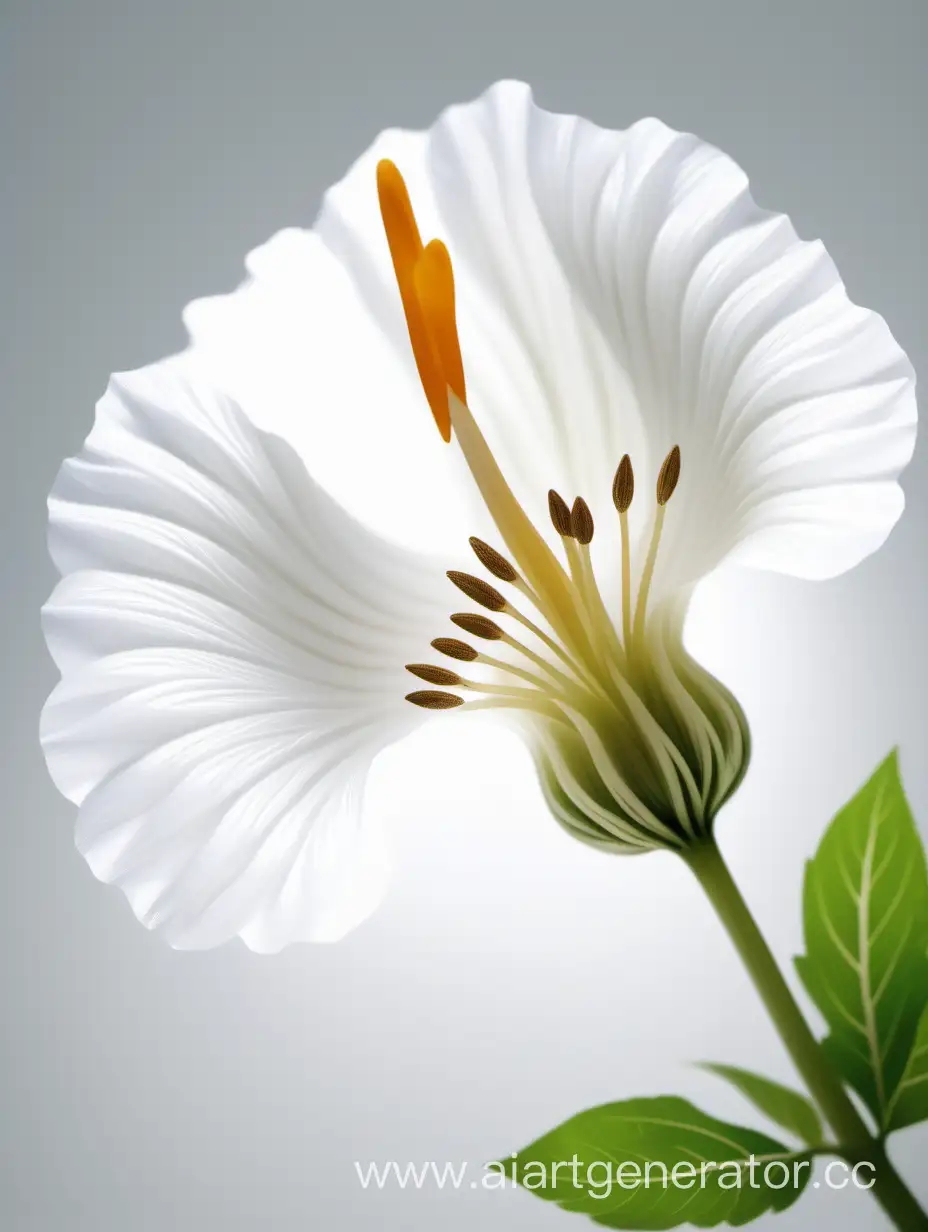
x=648, y=573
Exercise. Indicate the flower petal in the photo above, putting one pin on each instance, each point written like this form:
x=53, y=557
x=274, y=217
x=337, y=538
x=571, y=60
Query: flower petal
x=232, y=649
x=794, y=408
x=617, y=292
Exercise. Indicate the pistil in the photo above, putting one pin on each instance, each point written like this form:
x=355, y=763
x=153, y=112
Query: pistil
x=593, y=660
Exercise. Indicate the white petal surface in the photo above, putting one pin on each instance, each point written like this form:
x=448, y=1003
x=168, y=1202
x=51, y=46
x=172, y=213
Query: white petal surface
x=231, y=646
x=618, y=291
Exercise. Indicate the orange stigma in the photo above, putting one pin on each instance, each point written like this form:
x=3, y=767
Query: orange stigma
x=426, y=285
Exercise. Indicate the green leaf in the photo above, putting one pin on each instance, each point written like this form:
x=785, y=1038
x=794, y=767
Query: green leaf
x=909, y=1103
x=616, y=1164
x=781, y=1104
x=866, y=931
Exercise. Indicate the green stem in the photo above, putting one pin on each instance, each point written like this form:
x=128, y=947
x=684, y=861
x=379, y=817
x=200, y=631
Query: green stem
x=857, y=1142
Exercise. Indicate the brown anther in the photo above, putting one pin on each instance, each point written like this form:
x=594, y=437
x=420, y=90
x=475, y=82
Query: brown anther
x=454, y=649
x=498, y=565
x=478, y=626
x=432, y=699
x=475, y=588
x=560, y=514
x=581, y=521
x=623, y=486
x=434, y=675
x=669, y=477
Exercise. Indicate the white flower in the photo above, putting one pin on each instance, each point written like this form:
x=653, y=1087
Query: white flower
x=233, y=643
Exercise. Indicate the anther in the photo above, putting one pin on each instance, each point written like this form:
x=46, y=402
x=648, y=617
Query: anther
x=475, y=588
x=560, y=514
x=477, y=626
x=669, y=476
x=498, y=565
x=623, y=490
x=434, y=675
x=433, y=699
x=581, y=521
x=623, y=486
x=454, y=649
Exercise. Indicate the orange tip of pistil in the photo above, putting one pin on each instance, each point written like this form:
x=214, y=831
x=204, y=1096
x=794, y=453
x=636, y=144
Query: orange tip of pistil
x=425, y=279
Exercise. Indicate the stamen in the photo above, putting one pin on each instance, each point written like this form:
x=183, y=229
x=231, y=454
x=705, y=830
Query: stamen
x=623, y=491
x=432, y=699
x=533, y=701
x=575, y=551
x=461, y=651
x=477, y=589
x=648, y=573
x=482, y=626
x=485, y=594
x=478, y=626
x=560, y=514
x=581, y=521
x=454, y=649
x=666, y=483
x=505, y=690
x=581, y=566
x=444, y=676
x=569, y=687
x=582, y=675
x=434, y=675
x=497, y=564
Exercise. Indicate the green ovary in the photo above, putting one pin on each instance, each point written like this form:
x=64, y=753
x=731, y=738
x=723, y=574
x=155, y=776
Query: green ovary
x=650, y=763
